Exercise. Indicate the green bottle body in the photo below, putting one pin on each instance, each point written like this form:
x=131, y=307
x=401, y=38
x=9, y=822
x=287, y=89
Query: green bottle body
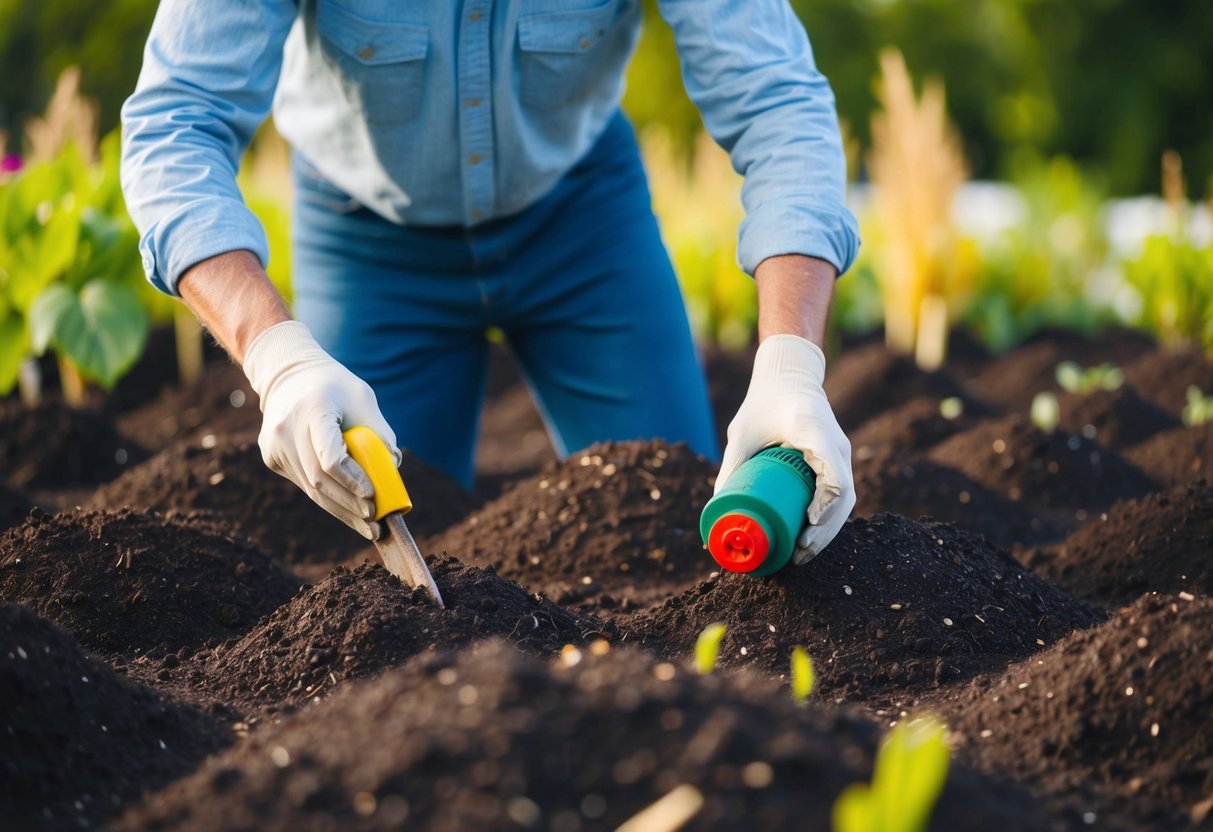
x=752, y=524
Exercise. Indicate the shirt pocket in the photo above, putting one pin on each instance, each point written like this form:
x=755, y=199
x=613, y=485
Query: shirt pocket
x=381, y=62
x=562, y=55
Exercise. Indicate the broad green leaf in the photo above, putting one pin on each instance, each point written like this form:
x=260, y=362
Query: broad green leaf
x=102, y=330
x=14, y=348
x=707, y=647
x=911, y=767
x=804, y=678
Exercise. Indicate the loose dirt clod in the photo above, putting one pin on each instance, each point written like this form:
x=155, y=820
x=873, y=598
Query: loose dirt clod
x=617, y=523
x=1118, y=714
x=77, y=741
x=1161, y=543
x=224, y=476
x=358, y=623
x=52, y=445
x=891, y=607
x=499, y=740
x=1050, y=470
x=129, y=582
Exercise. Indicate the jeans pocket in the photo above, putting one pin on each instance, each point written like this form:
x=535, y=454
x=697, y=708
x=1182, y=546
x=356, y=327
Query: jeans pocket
x=381, y=62
x=565, y=55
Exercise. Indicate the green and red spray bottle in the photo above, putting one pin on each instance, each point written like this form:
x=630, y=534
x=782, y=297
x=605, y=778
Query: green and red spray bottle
x=752, y=524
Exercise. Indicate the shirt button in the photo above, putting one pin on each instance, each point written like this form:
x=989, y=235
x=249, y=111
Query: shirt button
x=366, y=52
x=473, y=102
x=584, y=43
x=474, y=159
x=474, y=16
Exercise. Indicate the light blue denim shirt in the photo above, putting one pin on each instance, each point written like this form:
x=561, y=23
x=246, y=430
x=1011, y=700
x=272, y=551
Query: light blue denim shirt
x=436, y=112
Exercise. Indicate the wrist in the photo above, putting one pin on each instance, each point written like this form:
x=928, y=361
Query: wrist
x=794, y=294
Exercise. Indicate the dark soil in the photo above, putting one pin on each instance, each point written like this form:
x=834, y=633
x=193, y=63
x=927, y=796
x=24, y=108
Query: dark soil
x=498, y=740
x=617, y=523
x=77, y=741
x=891, y=608
x=1164, y=376
x=1162, y=544
x=220, y=402
x=1117, y=715
x=14, y=506
x=914, y=426
x=1051, y=470
x=870, y=380
x=1116, y=419
x=1179, y=455
x=358, y=623
x=51, y=445
x=915, y=487
x=128, y=582
x=157, y=369
x=224, y=476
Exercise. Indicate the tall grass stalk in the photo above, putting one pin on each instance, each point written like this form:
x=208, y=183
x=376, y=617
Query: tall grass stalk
x=916, y=166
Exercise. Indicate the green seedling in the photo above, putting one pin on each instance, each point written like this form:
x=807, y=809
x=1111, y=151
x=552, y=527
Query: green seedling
x=707, y=647
x=804, y=677
x=1199, y=409
x=1074, y=379
x=1046, y=414
x=910, y=770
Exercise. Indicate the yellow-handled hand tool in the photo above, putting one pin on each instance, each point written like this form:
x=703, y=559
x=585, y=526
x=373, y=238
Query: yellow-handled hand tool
x=396, y=546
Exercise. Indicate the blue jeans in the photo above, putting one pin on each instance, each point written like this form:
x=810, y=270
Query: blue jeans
x=580, y=284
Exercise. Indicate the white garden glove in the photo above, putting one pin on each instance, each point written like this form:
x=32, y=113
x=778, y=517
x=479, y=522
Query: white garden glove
x=307, y=399
x=787, y=406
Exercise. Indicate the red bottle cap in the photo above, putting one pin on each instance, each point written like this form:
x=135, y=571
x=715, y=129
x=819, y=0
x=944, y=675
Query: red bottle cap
x=738, y=542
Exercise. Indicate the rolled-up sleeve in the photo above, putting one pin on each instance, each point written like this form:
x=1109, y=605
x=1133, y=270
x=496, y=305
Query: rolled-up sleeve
x=748, y=66
x=208, y=79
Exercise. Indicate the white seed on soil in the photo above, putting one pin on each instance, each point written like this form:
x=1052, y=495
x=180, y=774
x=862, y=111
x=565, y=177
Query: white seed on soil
x=237, y=398
x=1022, y=685
x=745, y=651
x=1154, y=730
x=986, y=734
x=587, y=580
x=544, y=483
x=664, y=671
x=1041, y=642
x=757, y=775
x=964, y=497
x=894, y=606
x=655, y=494
x=1000, y=446
x=1187, y=596
x=771, y=627
x=447, y=676
x=216, y=478
x=280, y=756
x=947, y=622
x=468, y=694
x=584, y=461
x=209, y=441
x=609, y=469
x=1129, y=690
x=21, y=652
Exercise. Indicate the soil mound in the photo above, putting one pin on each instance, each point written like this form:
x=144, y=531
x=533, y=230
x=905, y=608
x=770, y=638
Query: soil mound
x=909, y=428
x=1116, y=419
x=14, y=506
x=77, y=741
x=617, y=523
x=871, y=379
x=1160, y=543
x=1119, y=714
x=224, y=476
x=1052, y=470
x=499, y=740
x=357, y=623
x=1179, y=455
x=892, y=606
x=917, y=487
x=51, y=445
x=1164, y=376
x=127, y=582
x=220, y=402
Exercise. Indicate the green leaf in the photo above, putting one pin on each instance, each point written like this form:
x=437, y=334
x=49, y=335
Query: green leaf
x=101, y=330
x=804, y=678
x=911, y=767
x=707, y=647
x=854, y=810
x=14, y=349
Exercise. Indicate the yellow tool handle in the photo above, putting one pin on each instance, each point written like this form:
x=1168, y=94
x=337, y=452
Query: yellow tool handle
x=368, y=450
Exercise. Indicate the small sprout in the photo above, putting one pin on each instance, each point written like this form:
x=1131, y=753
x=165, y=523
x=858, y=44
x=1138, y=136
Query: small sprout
x=1199, y=409
x=910, y=770
x=1045, y=412
x=804, y=678
x=707, y=647
x=1074, y=379
x=951, y=408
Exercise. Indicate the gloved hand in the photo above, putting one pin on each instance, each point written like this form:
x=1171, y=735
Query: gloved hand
x=787, y=406
x=307, y=398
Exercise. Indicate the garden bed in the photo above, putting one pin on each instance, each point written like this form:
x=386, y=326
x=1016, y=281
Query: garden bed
x=247, y=667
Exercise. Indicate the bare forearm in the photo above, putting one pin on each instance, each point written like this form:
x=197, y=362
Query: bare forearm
x=794, y=294
x=233, y=298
